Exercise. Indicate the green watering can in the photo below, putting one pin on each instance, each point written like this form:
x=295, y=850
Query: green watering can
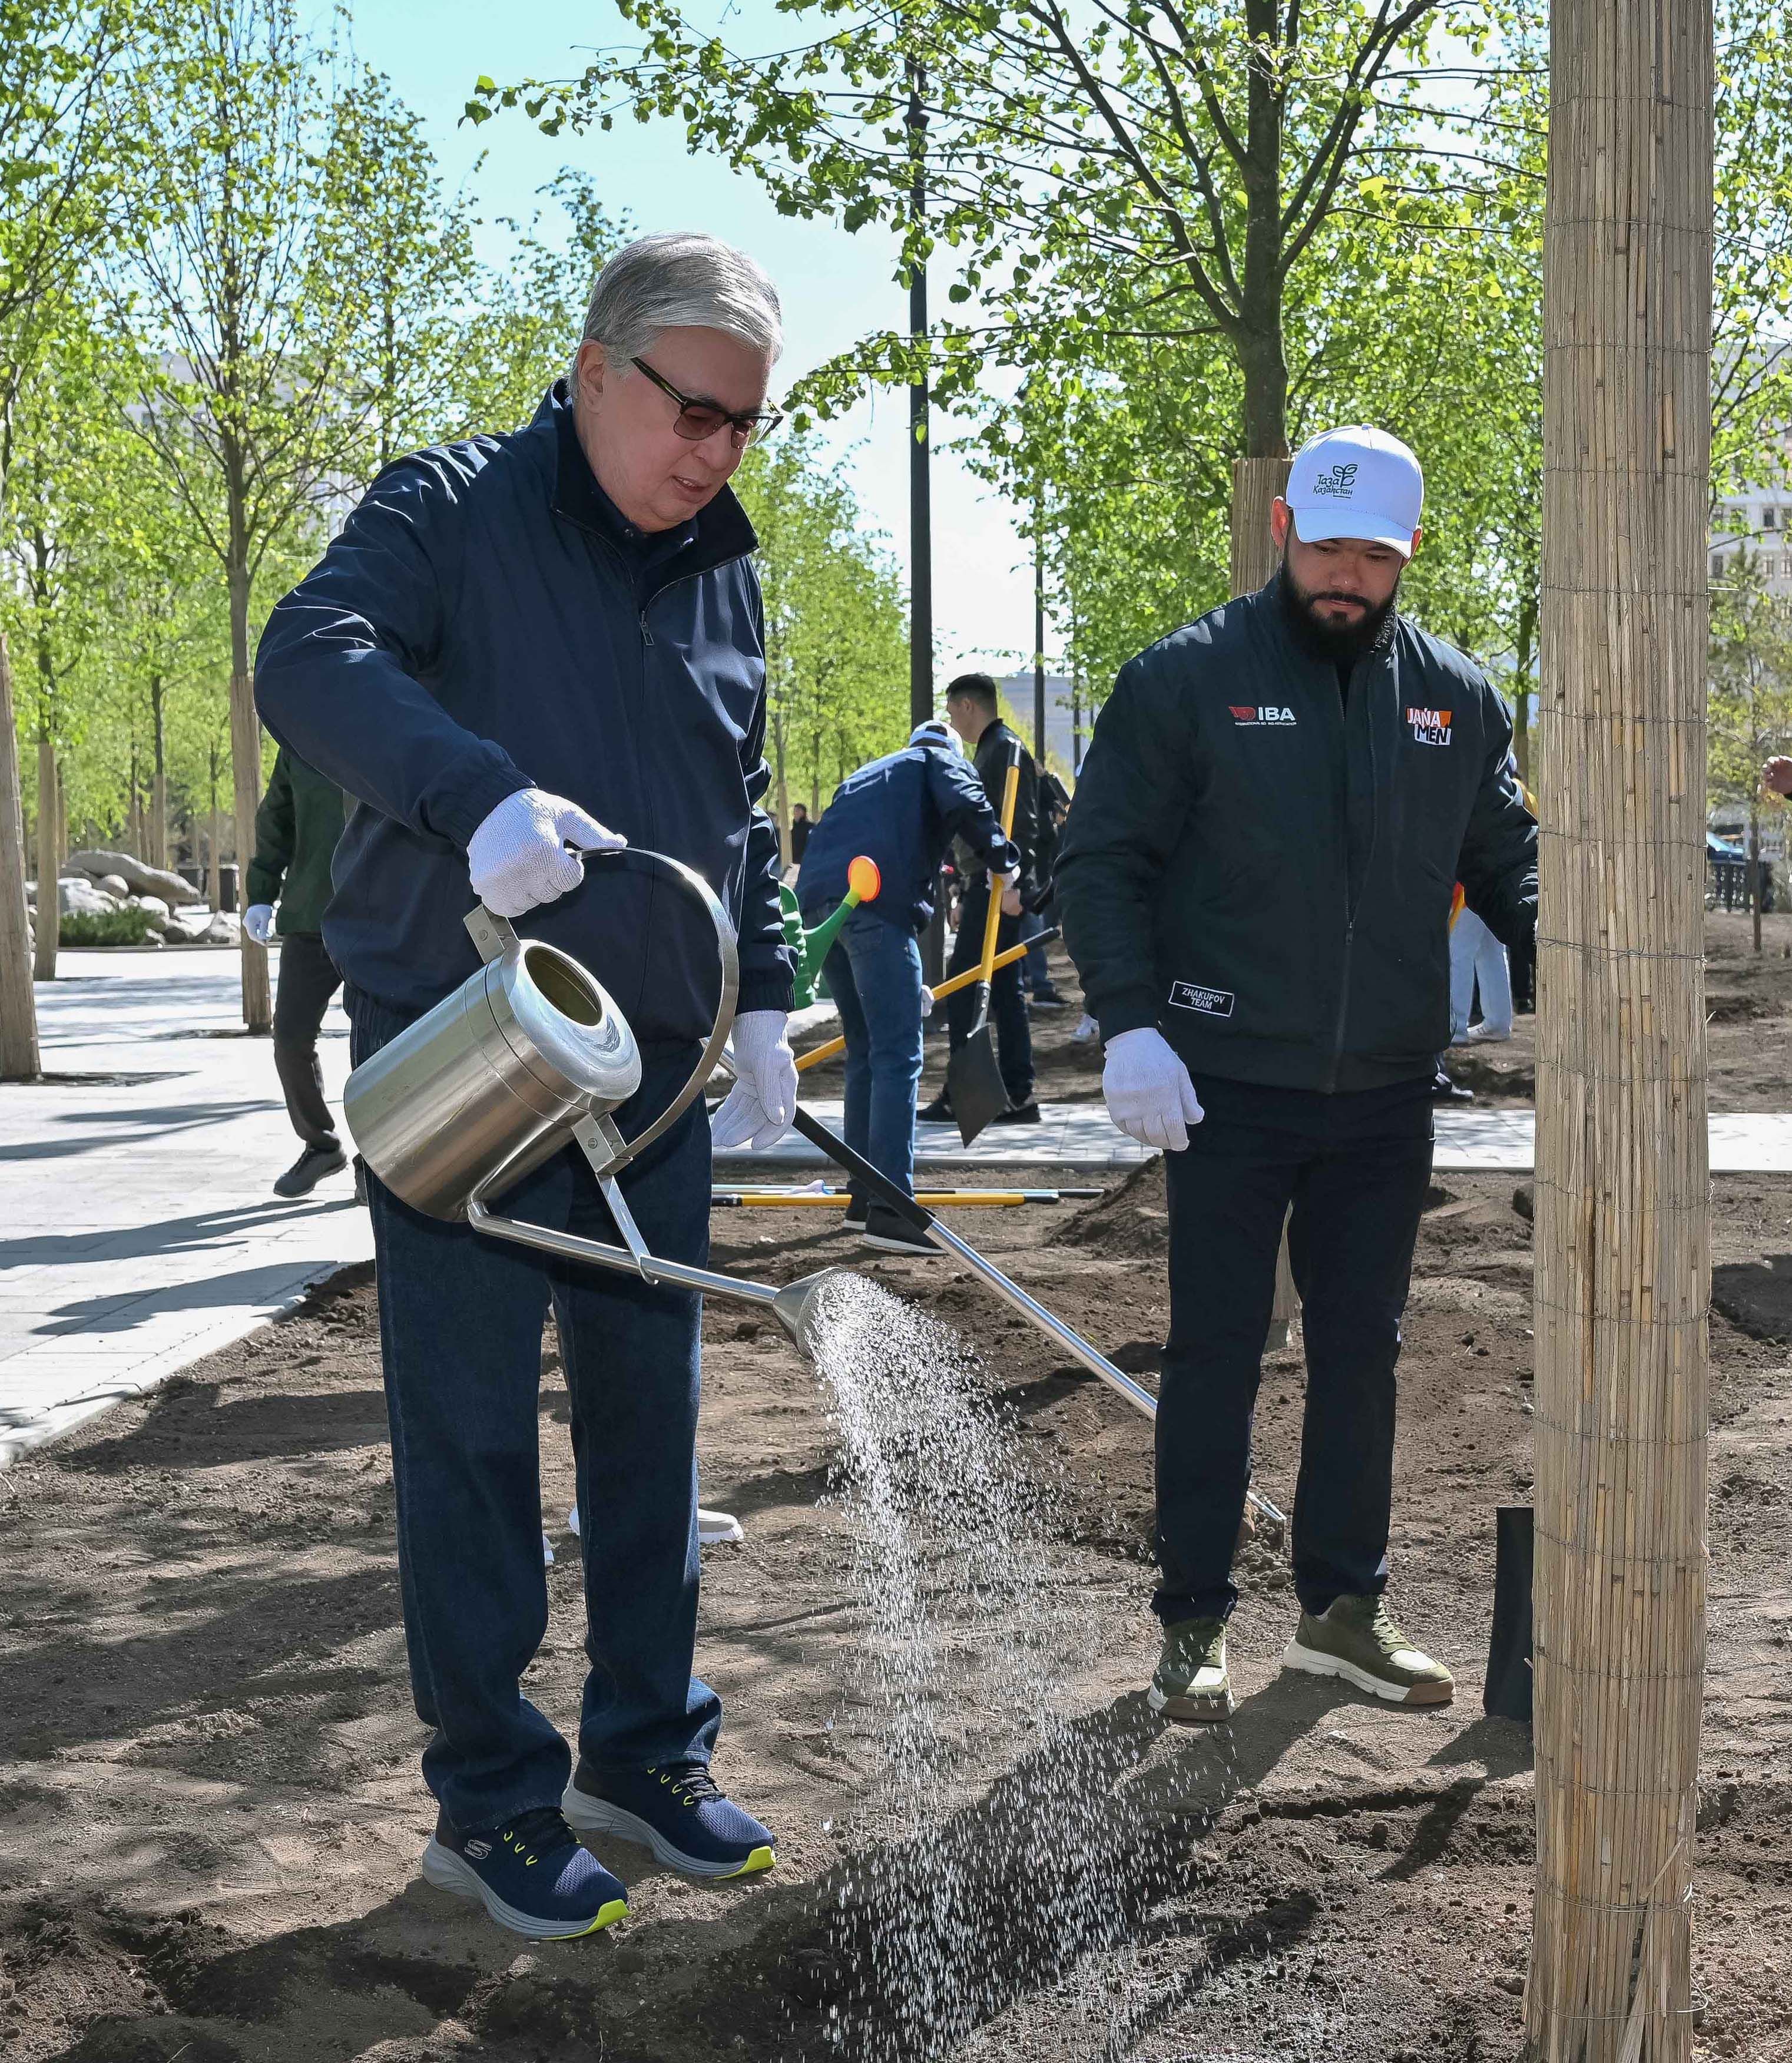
x=863, y=882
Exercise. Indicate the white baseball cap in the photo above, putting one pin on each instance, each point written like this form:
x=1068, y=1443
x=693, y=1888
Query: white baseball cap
x=936, y=730
x=1357, y=482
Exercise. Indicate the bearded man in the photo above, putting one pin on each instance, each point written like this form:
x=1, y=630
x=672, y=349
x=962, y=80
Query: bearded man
x=1255, y=886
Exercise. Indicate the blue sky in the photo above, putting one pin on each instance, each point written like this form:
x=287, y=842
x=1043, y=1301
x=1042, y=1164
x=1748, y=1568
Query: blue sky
x=834, y=287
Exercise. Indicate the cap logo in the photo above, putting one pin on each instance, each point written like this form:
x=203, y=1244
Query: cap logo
x=1339, y=484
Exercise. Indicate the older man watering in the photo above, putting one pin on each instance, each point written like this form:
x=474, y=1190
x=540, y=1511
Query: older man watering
x=522, y=648
x=1255, y=888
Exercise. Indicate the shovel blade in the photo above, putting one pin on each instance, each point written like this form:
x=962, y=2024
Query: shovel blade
x=974, y=1082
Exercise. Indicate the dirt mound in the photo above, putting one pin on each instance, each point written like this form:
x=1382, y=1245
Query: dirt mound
x=1133, y=1218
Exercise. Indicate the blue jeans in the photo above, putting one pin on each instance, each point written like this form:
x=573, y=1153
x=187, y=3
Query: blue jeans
x=460, y=1320
x=1477, y=956
x=873, y=973
x=1036, y=969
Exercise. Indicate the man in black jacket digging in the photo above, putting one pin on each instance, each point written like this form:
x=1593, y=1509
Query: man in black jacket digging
x=1256, y=888
x=973, y=710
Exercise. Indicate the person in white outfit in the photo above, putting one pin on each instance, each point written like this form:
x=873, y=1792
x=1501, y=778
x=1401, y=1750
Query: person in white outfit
x=1477, y=955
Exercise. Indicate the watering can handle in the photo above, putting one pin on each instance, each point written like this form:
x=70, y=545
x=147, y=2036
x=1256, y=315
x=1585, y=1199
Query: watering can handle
x=604, y=1146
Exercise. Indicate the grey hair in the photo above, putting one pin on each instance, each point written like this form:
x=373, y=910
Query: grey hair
x=679, y=279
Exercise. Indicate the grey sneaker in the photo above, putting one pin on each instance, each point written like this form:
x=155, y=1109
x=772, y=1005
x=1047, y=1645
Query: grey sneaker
x=1355, y=1639
x=1191, y=1684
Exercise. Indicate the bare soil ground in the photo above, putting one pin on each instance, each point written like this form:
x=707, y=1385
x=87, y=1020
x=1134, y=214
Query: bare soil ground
x=1748, y=998
x=210, y=1814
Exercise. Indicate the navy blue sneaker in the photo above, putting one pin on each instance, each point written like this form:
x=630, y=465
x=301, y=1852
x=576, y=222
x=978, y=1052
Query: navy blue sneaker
x=530, y=1874
x=676, y=1810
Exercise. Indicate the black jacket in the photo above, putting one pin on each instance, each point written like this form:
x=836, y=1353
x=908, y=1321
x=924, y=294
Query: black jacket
x=296, y=829
x=480, y=626
x=902, y=810
x=1265, y=872
x=991, y=760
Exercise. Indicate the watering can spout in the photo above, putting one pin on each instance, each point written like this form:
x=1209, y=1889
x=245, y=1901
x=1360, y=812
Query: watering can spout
x=797, y=1306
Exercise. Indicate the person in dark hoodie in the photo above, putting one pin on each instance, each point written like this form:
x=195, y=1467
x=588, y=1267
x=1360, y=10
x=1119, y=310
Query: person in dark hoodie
x=296, y=829
x=902, y=811
x=523, y=649
x=1256, y=885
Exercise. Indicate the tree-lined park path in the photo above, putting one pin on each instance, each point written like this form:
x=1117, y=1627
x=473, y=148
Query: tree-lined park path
x=137, y=1227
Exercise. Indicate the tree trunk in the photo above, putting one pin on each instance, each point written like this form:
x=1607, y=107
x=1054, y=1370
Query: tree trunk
x=19, y=1009
x=49, y=864
x=1262, y=355
x=158, y=853
x=258, y=1013
x=780, y=789
x=134, y=820
x=1623, y=1229
x=211, y=881
x=1754, y=871
x=1523, y=657
x=1256, y=482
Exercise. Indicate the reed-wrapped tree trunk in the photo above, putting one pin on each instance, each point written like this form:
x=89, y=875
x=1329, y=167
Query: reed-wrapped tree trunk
x=1622, y=1226
x=1256, y=483
x=19, y=1012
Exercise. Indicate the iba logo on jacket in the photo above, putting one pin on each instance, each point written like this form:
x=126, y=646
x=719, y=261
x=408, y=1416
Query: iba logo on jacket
x=1429, y=726
x=1210, y=1002
x=1242, y=713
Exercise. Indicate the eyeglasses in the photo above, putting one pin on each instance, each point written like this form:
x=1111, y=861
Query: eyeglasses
x=697, y=419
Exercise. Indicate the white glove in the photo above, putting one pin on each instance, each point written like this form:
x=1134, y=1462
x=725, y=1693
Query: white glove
x=517, y=857
x=258, y=921
x=927, y=1001
x=759, y=1107
x=1149, y=1093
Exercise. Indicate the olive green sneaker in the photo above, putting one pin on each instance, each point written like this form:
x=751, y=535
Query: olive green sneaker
x=1355, y=1639
x=1192, y=1683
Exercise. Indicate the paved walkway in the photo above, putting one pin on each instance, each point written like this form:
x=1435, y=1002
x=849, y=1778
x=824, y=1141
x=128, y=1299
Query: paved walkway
x=1073, y=1135
x=137, y=1228
x=1080, y=1135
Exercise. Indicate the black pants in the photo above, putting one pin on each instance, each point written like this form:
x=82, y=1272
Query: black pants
x=1521, y=959
x=308, y=979
x=1356, y=1168
x=1014, y=1035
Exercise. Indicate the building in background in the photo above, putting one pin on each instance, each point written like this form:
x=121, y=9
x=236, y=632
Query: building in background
x=1066, y=725
x=1758, y=519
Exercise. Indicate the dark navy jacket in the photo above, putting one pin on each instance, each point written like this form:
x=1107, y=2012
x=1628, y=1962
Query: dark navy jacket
x=903, y=810
x=1264, y=870
x=479, y=627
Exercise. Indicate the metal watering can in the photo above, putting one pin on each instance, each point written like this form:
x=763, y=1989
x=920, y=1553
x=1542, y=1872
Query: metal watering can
x=529, y=1056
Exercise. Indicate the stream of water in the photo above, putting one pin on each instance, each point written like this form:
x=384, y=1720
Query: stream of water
x=1001, y=1870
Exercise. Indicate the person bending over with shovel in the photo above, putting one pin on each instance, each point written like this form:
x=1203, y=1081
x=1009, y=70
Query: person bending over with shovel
x=1255, y=888
x=901, y=811
x=520, y=649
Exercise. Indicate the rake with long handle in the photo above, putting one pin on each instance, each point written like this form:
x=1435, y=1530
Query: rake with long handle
x=948, y=1241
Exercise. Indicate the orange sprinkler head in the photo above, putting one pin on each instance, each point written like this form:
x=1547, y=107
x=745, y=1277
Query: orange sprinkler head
x=864, y=879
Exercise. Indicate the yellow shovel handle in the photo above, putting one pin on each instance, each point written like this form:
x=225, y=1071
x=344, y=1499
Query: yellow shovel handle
x=816, y=1055
x=992, y=919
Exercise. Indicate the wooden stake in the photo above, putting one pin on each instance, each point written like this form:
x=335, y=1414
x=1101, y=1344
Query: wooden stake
x=1622, y=1224
x=1256, y=483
